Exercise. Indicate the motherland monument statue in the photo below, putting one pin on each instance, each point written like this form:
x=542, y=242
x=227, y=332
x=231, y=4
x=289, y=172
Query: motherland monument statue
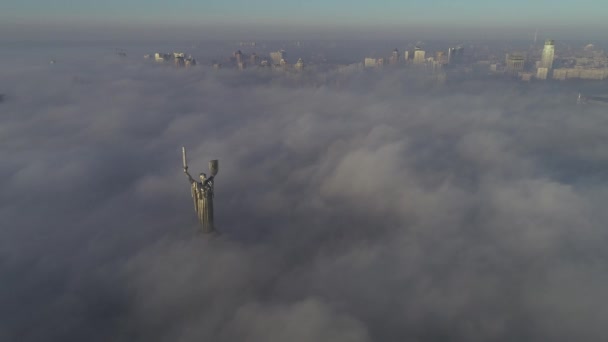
x=202, y=194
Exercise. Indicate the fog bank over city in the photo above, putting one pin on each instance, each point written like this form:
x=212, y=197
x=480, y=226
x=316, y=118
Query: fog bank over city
x=354, y=204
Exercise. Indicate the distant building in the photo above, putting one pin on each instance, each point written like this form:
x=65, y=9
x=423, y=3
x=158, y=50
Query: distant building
x=548, y=55
x=580, y=73
x=253, y=59
x=515, y=63
x=542, y=73
x=419, y=56
x=441, y=58
x=238, y=56
x=455, y=55
x=394, y=60
x=406, y=56
x=435, y=65
x=277, y=56
x=179, y=61
x=525, y=76
x=189, y=62
x=299, y=64
x=370, y=62
x=162, y=57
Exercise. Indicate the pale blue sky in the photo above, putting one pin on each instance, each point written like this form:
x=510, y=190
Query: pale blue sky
x=394, y=14
x=344, y=11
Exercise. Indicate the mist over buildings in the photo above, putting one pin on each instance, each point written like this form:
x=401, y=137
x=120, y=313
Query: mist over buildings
x=354, y=206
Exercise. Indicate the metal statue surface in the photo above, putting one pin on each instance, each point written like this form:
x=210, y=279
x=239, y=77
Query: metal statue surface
x=202, y=194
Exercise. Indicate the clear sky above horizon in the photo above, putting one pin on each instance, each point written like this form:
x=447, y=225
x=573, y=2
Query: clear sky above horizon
x=440, y=14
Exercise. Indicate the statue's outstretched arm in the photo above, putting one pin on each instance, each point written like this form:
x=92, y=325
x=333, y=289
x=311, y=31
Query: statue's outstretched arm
x=189, y=177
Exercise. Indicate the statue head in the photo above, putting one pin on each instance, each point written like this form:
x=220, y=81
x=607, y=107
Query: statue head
x=202, y=176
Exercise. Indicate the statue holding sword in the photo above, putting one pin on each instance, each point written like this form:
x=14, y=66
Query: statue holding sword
x=202, y=193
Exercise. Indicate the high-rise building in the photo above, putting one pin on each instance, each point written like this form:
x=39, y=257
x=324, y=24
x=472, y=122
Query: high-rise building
x=253, y=59
x=238, y=56
x=515, y=63
x=451, y=55
x=525, y=76
x=161, y=57
x=542, y=73
x=299, y=64
x=179, y=61
x=394, y=57
x=370, y=62
x=406, y=56
x=546, y=60
x=441, y=58
x=277, y=56
x=190, y=61
x=419, y=56
x=455, y=55
x=435, y=65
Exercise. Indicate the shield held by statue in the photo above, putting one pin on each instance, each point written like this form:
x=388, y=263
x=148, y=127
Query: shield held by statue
x=214, y=167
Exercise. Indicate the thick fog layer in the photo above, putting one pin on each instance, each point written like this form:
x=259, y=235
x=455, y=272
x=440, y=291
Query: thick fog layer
x=354, y=206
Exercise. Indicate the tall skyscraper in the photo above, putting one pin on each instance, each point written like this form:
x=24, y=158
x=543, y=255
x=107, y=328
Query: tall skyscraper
x=455, y=55
x=542, y=73
x=238, y=57
x=515, y=63
x=546, y=60
x=419, y=56
x=451, y=55
x=278, y=56
x=394, y=57
x=440, y=57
